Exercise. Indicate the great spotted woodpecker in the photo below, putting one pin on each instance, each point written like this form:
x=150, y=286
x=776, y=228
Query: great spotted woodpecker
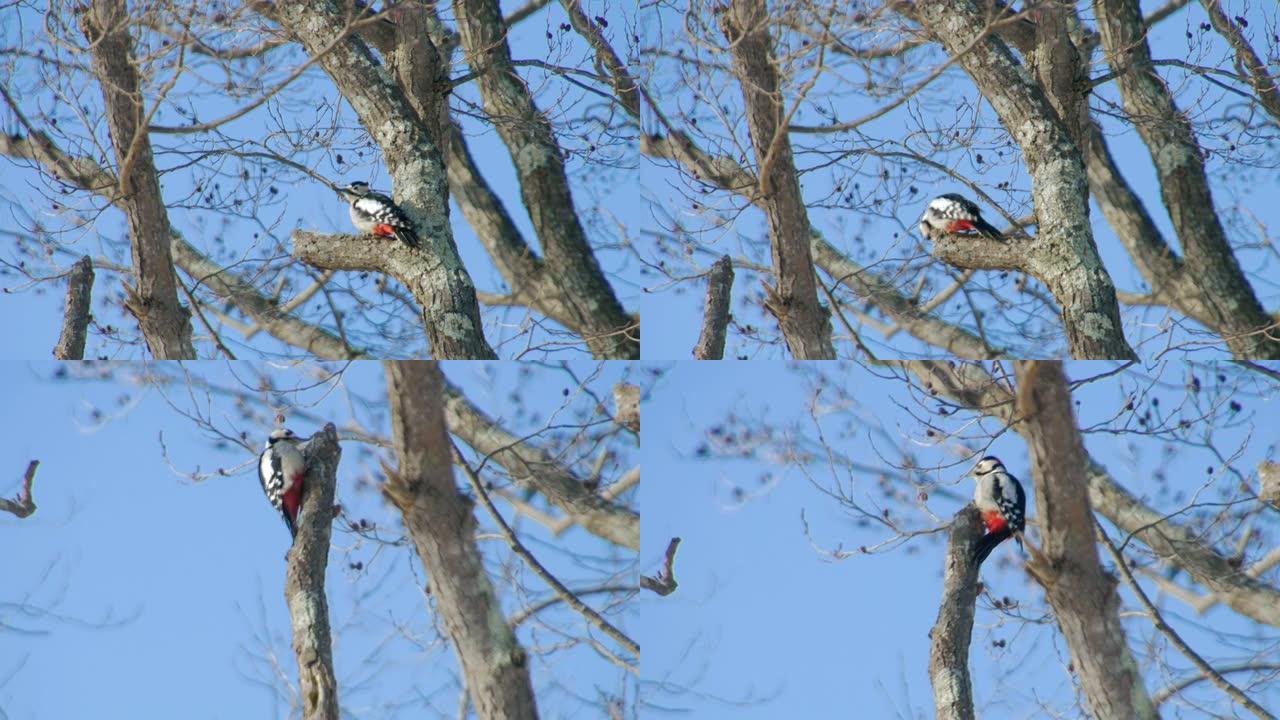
x=281, y=470
x=1003, y=505
x=376, y=214
x=953, y=214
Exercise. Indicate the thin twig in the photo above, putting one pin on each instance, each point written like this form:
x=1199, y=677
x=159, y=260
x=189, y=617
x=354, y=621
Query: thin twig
x=565, y=594
x=1173, y=636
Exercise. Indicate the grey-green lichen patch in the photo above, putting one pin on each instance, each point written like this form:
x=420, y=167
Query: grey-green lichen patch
x=1096, y=326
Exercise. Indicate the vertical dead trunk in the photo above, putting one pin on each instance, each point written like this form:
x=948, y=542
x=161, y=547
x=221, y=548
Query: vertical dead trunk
x=304, y=579
x=949, y=646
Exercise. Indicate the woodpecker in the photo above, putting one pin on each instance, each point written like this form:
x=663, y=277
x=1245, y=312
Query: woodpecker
x=952, y=213
x=1003, y=505
x=376, y=214
x=281, y=470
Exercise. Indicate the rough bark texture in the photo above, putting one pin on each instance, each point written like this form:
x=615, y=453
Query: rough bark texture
x=804, y=323
x=434, y=274
x=1220, y=295
x=1084, y=598
x=715, y=319
x=75, y=317
x=534, y=468
x=949, y=639
x=441, y=523
x=304, y=579
x=165, y=323
x=1067, y=261
x=626, y=399
x=586, y=298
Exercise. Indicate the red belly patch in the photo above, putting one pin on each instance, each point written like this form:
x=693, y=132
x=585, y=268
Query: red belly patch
x=994, y=521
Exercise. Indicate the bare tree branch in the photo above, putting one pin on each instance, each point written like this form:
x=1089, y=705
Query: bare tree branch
x=1158, y=620
x=1247, y=61
x=75, y=322
x=626, y=400
x=1222, y=292
x=531, y=466
x=518, y=547
x=664, y=583
x=23, y=504
x=586, y=297
x=269, y=315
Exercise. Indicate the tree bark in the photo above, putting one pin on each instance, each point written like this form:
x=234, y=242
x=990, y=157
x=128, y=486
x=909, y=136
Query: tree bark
x=586, y=297
x=805, y=324
x=434, y=273
x=75, y=320
x=165, y=324
x=304, y=578
x=1066, y=260
x=1084, y=598
x=531, y=467
x=1223, y=299
x=441, y=523
x=951, y=634
x=715, y=319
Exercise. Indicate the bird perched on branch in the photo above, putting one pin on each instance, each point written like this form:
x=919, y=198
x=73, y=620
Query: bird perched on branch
x=954, y=214
x=376, y=214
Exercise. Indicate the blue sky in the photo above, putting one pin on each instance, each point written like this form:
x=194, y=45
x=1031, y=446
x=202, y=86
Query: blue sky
x=166, y=593
x=601, y=178
x=763, y=625
x=883, y=236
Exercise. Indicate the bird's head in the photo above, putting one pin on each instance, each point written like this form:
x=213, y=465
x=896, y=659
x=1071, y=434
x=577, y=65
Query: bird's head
x=281, y=434
x=988, y=464
x=356, y=189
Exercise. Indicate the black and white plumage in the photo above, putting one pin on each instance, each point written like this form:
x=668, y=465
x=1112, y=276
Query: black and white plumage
x=999, y=497
x=376, y=214
x=281, y=470
x=954, y=214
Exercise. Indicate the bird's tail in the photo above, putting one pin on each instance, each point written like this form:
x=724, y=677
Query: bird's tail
x=988, y=229
x=989, y=543
x=406, y=236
